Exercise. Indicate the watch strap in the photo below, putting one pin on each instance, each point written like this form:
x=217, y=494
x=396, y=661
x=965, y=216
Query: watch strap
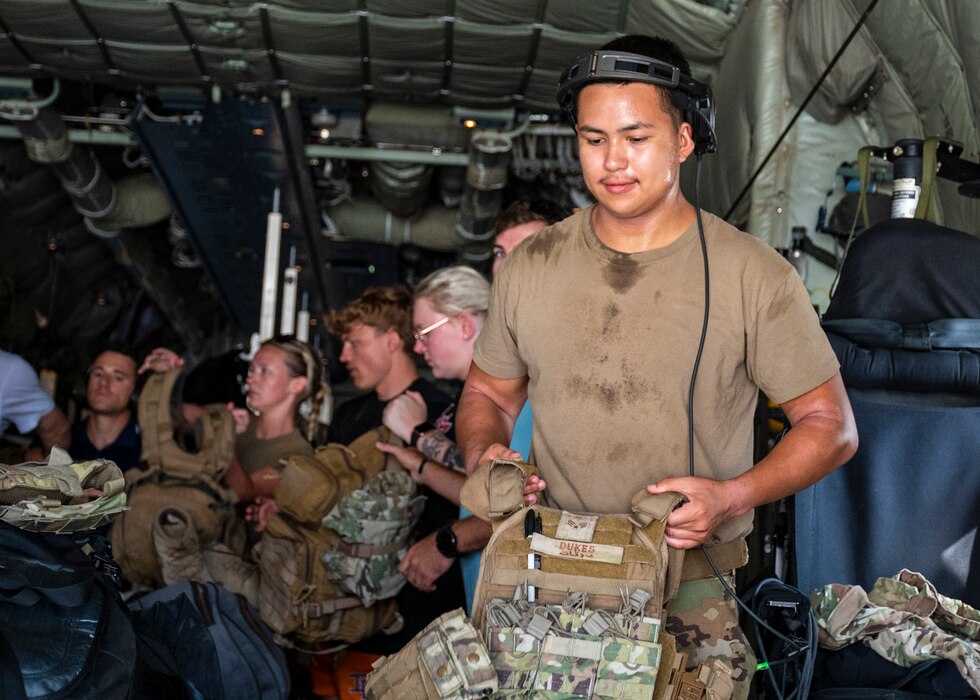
x=446, y=542
x=419, y=430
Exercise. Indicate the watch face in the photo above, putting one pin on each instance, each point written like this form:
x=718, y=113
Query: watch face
x=446, y=543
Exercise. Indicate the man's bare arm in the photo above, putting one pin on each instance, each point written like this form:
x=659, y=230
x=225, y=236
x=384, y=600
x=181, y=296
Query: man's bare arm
x=487, y=410
x=822, y=437
x=53, y=429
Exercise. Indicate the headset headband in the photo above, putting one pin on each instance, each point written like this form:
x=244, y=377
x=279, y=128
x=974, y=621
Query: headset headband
x=697, y=105
x=620, y=65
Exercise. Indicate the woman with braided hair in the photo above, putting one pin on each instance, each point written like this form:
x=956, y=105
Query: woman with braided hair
x=284, y=374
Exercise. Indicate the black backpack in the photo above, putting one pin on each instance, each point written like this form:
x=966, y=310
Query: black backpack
x=64, y=632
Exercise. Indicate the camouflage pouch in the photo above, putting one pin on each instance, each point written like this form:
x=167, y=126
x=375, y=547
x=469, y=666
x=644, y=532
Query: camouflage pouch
x=567, y=666
x=50, y=496
x=373, y=524
x=627, y=669
x=447, y=659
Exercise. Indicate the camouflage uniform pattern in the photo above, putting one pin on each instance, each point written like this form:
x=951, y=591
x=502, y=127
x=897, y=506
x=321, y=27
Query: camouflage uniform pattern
x=384, y=512
x=38, y=496
x=447, y=659
x=704, y=621
x=904, y=619
x=456, y=660
x=570, y=663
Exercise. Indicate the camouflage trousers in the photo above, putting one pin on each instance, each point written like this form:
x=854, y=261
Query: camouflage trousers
x=705, y=626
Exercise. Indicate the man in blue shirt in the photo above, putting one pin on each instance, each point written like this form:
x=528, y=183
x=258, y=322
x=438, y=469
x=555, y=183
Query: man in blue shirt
x=110, y=430
x=24, y=404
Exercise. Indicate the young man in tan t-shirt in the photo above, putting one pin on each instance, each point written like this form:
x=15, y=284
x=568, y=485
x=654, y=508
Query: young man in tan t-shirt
x=597, y=320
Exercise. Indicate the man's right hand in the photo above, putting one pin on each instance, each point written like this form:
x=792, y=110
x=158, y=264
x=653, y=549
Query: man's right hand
x=161, y=360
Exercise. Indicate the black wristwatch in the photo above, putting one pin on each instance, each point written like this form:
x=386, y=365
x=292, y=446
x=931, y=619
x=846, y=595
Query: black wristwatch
x=418, y=431
x=446, y=542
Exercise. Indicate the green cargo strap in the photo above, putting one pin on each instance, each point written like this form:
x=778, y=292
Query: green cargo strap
x=926, y=209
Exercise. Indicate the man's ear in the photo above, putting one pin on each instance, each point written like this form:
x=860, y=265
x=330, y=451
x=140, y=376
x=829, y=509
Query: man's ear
x=685, y=142
x=394, y=342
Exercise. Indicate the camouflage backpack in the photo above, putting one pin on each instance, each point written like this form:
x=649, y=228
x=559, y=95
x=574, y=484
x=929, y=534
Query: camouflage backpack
x=329, y=559
x=175, y=477
x=570, y=603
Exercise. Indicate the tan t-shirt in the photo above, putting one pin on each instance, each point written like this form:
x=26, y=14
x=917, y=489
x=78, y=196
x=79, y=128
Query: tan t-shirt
x=608, y=342
x=255, y=454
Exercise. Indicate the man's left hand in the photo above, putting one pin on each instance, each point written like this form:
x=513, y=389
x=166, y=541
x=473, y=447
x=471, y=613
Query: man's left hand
x=423, y=564
x=710, y=503
x=404, y=412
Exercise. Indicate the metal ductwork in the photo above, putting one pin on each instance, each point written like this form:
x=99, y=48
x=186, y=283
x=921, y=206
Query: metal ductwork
x=367, y=220
x=403, y=188
x=486, y=176
x=107, y=207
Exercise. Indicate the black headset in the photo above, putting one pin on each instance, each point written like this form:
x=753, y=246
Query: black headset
x=692, y=97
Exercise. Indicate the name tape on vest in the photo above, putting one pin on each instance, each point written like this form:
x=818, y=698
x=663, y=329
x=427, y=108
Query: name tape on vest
x=582, y=551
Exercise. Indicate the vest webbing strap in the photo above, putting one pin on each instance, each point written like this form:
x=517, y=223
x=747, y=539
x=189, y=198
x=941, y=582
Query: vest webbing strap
x=561, y=582
x=363, y=551
x=727, y=557
x=328, y=607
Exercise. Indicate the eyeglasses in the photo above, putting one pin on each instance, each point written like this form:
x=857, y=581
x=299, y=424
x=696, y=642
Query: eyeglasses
x=420, y=335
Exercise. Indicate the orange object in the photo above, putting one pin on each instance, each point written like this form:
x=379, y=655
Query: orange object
x=350, y=673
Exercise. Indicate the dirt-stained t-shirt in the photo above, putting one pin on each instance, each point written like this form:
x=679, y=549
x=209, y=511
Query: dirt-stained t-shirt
x=608, y=341
x=255, y=454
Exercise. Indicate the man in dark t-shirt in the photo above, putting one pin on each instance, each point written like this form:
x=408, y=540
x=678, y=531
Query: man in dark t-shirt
x=109, y=431
x=376, y=330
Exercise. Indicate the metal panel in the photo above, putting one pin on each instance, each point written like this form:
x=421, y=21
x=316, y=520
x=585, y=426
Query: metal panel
x=221, y=174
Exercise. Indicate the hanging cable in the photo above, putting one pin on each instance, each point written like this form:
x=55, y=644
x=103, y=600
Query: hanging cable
x=799, y=112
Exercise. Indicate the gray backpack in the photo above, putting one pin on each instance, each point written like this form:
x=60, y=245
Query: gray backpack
x=214, y=640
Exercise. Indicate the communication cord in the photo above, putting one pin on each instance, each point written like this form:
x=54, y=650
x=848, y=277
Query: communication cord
x=801, y=649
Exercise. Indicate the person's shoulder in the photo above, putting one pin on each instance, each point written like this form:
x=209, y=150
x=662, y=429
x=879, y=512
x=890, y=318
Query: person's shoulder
x=432, y=394
x=78, y=431
x=16, y=366
x=744, y=249
x=551, y=238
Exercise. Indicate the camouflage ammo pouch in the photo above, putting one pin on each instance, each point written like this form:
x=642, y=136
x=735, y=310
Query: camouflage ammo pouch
x=176, y=477
x=49, y=496
x=575, y=608
x=447, y=659
x=318, y=584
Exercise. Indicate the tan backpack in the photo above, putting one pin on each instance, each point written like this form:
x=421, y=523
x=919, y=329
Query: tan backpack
x=572, y=603
x=297, y=597
x=173, y=476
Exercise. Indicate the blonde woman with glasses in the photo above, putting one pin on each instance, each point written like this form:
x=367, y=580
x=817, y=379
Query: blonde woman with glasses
x=449, y=310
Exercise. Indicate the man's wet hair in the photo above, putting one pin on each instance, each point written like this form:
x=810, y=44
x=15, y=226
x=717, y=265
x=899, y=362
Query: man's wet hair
x=382, y=308
x=526, y=210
